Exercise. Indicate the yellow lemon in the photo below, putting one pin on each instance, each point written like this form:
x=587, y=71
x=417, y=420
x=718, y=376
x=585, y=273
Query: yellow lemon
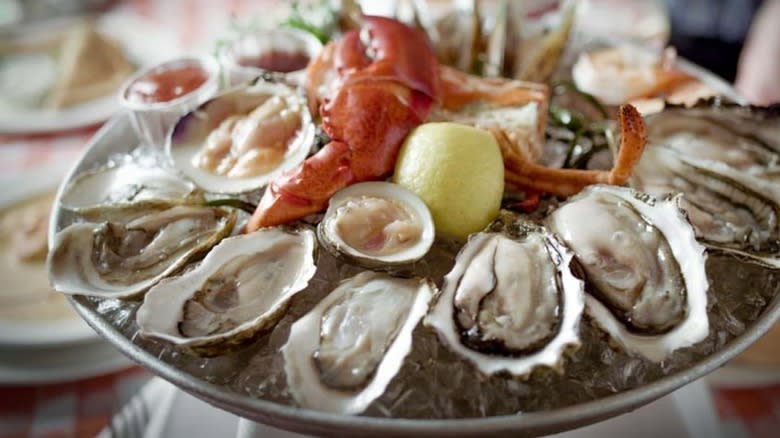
x=458, y=172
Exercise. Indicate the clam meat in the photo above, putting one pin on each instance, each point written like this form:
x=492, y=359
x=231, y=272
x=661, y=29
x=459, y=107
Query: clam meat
x=242, y=287
x=342, y=355
x=510, y=303
x=644, y=269
x=242, y=139
x=378, y=225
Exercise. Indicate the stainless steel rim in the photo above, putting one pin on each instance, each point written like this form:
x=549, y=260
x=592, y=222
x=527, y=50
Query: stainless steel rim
x=530, y=424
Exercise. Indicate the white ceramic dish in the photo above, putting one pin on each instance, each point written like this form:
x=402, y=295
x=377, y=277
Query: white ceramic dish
x=144, y=45
x=39, y=334
x=60, y=364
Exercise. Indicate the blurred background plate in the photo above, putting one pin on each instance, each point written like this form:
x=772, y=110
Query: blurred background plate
x=59, y=364
x=48, y=323
x=142, y=43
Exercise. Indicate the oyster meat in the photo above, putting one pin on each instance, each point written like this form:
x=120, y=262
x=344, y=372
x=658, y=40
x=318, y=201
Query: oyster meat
x=644, y=269
x=133, y=249
x=241, y=287
x=378, y=225
x=243, y=138
x=342, y=355
x=510, y=303
x=724, y=159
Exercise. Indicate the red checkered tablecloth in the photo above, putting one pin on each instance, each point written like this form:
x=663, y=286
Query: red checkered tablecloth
x=66, y=410
x=752, y=412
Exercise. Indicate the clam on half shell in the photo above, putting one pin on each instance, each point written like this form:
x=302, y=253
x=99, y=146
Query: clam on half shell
x=139, y=245
x=242, y=287
x=242, y=139
x=511, y=303
x=378, y=225
x=343, y=354
x=644, y=270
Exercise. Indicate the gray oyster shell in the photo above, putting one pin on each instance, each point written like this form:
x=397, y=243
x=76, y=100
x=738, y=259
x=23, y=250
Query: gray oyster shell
x=725, y=160
x=511, y=303
x=341, y=355
x=242, y=287
x=644, y=269
x=132, y=247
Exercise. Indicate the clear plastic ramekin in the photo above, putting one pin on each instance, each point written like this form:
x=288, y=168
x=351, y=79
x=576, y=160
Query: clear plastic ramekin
x=153, y=121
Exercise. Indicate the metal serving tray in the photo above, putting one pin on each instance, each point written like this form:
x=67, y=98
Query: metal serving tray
x=118, y=137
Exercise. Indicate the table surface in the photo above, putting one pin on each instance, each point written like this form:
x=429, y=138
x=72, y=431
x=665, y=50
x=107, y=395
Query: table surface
x=82, y=408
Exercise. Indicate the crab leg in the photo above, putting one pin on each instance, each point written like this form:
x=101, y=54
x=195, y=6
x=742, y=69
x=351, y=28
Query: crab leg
x=525, y=174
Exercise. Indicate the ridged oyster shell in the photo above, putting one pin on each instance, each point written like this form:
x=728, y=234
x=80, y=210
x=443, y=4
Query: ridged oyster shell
x=644, y=270
x=242, y=287
x=134, y=247
x=125, y=184
x=342, y=354
x=725, y=159
x=511, y=302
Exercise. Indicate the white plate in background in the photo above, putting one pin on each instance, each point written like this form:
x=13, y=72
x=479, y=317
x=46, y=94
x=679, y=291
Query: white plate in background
x=144, y=45
x=39, y=334
x=60, y=364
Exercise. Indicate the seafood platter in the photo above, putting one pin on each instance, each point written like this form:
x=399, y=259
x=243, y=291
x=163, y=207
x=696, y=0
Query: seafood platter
x=406, y=225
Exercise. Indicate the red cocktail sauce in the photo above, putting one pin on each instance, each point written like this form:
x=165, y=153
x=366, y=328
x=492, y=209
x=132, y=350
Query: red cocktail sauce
x=166, y=85
x=278, y=61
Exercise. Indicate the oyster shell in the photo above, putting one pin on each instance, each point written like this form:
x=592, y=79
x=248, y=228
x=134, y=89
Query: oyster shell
x=125, y=184
x=510, y=304
x=458, y=36
x=725, y=159
x=377, y=225
x=241, y=287
x=123, y=256
x=243, y=138
x=342, y=355
x=644, y=269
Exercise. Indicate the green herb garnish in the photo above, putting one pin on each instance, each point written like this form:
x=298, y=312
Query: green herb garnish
x=320, y=19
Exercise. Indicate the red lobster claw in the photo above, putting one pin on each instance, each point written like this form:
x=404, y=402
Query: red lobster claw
x=386, y=82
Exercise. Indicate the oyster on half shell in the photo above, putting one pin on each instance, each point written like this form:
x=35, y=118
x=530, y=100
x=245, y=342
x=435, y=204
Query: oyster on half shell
x=343, y=354
x=510, y=303
x=644, y=270
x=241, y=287
x=133, y=247
x=725, y=159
